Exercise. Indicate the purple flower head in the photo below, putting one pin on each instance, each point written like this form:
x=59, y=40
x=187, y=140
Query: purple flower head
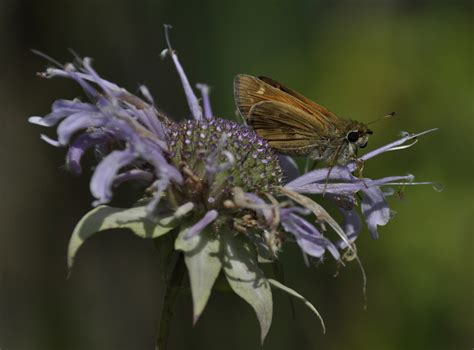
x=112, y=117
x=214, y=184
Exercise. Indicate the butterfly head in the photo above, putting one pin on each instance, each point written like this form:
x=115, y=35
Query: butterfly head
x=357, y=135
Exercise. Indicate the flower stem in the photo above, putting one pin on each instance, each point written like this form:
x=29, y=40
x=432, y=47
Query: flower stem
x=172, y=290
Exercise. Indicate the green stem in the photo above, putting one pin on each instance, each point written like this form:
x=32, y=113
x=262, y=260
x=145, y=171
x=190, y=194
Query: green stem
x=172, y=290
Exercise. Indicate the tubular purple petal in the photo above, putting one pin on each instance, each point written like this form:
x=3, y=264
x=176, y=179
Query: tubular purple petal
x=302, y=225
x=194, y=230
x=394, y=144
x=149, y=118
x=261, y=207
x=331, y=188
x=190, y=96
x=352, y=226
x=139, y=115
x=345, y=188
x=188, y=90
x=206, y=102
x=375, y=209
x=339, y=172
x=76, y=122
x=48, y=121
x=389, y=180
x=308, y=237
x=72, y=106
x=146, y=93
x=105, y=86
x=294, y=210
x=157, y=125
x=81, y=144
x=312, y=246
x=105, y=173
x=160, y=186
x=61, y=109
x=84, y=79
x=50, y=141
x=71, y=72
x=162, y=167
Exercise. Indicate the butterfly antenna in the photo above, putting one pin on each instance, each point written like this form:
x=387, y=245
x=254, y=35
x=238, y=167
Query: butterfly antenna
x=391, y=115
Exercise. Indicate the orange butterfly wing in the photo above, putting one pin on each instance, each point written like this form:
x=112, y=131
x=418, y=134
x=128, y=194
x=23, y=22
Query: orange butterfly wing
x=250, y=90
x=285, y=127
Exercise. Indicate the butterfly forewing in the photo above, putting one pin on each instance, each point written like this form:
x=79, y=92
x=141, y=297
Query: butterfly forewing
x=249, y=90
x=285, y=127
x=303, y=102
x=279, y=114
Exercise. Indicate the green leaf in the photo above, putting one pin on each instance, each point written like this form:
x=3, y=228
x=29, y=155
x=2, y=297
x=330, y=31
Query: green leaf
x=247, y=279
x=202, y=255
x=292, y=292
x=104, y=218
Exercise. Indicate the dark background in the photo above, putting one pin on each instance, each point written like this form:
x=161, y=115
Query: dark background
x=362, y=59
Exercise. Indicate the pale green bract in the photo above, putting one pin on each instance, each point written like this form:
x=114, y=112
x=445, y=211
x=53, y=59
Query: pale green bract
x=205, y=255
x=135, y=219
x=247, y=279
x=203, y=258
x=295, y=294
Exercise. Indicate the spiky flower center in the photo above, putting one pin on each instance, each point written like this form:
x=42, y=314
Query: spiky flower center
x=216, y=156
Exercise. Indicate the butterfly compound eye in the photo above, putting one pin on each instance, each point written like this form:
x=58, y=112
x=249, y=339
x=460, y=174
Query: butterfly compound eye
x=352, y=136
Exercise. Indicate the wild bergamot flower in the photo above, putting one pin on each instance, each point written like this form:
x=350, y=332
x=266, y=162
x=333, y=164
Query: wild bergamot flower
x=213, y=185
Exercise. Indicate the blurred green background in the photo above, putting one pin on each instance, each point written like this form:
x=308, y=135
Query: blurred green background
x=361, y=59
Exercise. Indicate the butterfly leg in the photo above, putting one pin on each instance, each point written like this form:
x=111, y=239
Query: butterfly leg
x=401, y=192
x=327, y=179
x=332, y=163
x=360, y=169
